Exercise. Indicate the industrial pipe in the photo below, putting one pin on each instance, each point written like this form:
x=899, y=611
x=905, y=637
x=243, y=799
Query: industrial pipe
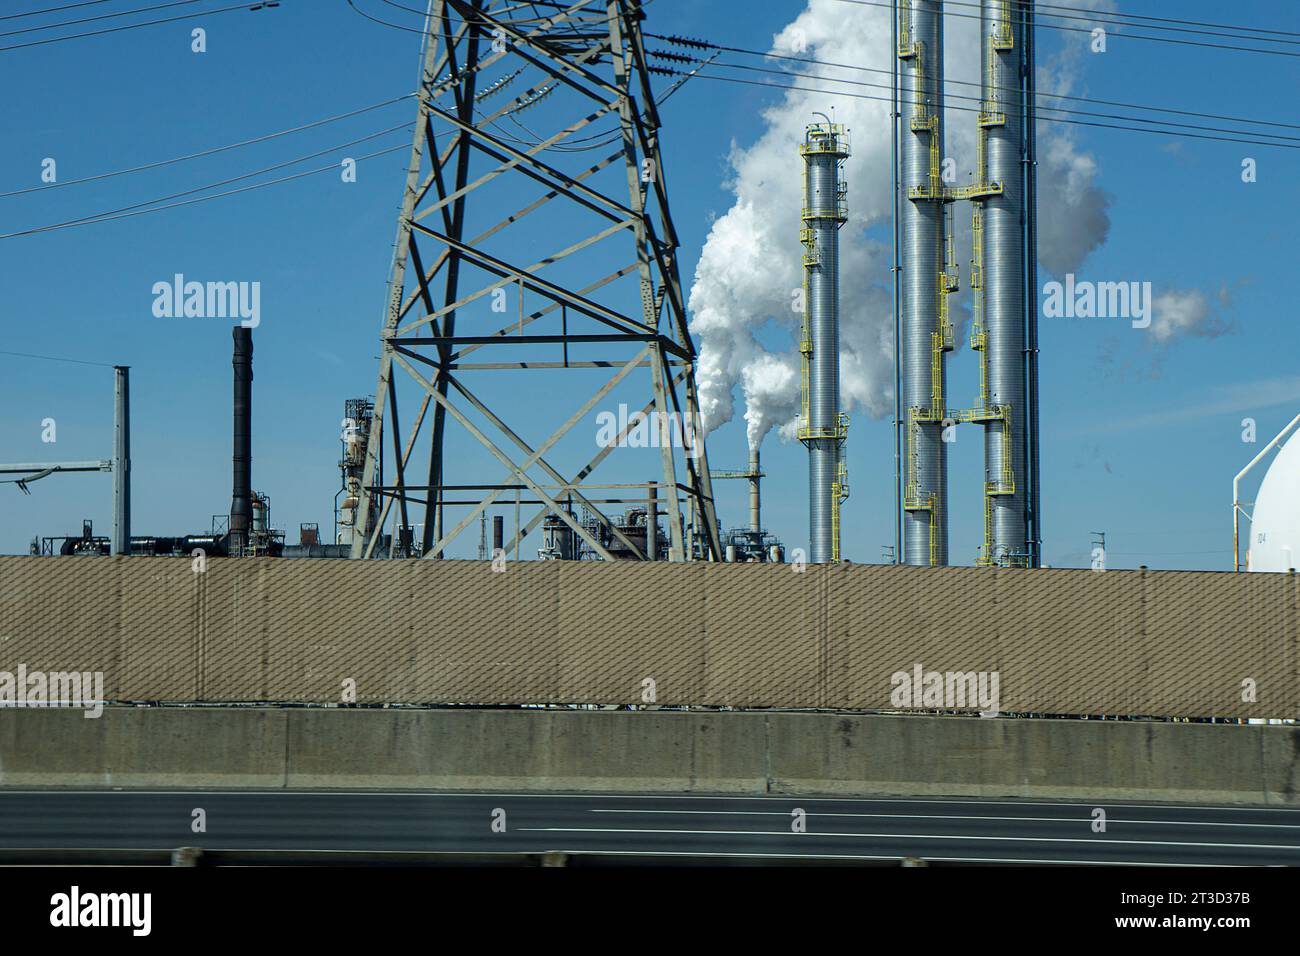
x=122, y=460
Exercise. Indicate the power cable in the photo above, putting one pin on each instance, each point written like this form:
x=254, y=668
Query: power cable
x=977, y=99
x=1129, y=36
x=55, y=358
x=207, y=152
x=190, y=202
x=1106, y=17
x=1138, y=16
x=247, y=5
x=968, y=109
x=124, y=212
x=60, y=9
x=708, y=45
x=104, y=16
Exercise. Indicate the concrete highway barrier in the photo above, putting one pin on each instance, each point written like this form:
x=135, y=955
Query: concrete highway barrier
x=650, y=751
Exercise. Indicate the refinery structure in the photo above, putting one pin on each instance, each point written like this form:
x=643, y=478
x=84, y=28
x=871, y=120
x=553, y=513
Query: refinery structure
x=536, y=257
x=1003, y=286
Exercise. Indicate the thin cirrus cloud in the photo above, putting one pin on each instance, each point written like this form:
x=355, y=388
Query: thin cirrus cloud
x=1226, y=400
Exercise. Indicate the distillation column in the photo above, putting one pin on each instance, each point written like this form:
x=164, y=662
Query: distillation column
x=926, y=283
x=823, y=428
x=1001, y=307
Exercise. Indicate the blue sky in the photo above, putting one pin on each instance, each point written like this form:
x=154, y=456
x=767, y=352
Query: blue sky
x=1139, y=439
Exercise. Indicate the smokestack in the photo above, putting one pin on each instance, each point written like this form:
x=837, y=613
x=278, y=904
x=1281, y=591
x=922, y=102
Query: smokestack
x=241, y=508
x=498, y=535
x=755, y=522
x=823, y=428
x=122, y=460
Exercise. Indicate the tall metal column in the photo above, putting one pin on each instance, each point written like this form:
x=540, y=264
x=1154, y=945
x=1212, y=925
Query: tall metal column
x=927, y=281
x=121, y=460
x=896, y=273
x=823, y=427
x=1033, y=507
x=1004, y=286
x=1003, y=279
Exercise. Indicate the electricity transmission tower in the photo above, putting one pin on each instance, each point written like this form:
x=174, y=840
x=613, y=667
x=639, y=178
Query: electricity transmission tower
x=535, y=252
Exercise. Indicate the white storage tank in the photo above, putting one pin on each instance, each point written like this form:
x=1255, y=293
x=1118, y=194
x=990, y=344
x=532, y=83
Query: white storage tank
x=1275, y=526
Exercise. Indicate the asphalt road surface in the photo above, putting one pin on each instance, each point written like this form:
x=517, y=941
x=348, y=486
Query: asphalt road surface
x=861, y=828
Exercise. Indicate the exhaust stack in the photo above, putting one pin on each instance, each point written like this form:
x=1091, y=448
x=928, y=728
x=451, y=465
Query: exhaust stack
x=241, y=499
x=823, y=428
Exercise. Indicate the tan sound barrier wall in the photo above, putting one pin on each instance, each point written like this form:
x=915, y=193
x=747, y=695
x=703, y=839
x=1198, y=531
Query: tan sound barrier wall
x=1194, y=644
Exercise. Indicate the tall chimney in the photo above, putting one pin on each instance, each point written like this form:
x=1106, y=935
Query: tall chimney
x=755, y=474
x=122, y=460
x=822, y=428
x=241, y=511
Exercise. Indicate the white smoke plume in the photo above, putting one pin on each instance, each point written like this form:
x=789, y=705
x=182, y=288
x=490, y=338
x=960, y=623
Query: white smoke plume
x=750, y=267
x=1182, y=312
x=1073, y=212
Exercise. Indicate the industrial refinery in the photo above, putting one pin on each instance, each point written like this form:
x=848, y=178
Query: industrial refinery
x=408, y=488
x=644, y=432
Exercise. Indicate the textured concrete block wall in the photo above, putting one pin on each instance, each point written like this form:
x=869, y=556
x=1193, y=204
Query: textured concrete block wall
x=1188, y=644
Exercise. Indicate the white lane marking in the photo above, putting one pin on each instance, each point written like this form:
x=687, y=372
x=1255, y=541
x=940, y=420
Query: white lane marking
x=858, y=856
x=917, y=836
x=655, y=853
x=935, y=816
x=964, y=801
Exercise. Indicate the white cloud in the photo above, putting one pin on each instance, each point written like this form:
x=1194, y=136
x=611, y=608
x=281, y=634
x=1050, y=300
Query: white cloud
x=1181, y=312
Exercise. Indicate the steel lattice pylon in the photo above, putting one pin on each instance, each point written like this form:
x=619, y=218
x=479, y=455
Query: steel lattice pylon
x=576, y=65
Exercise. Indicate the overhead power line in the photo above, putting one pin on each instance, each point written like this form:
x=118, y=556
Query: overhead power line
x=519, y=21
x=1128, y=36
x=137, y=209
x=970, y=109
x=247, y=5
x=208, y=152
x=55, y=358
x=102, y=16
x=1106, y=18
x=692, y=42
x=1195, y=23
x=1041, y=107
x=59, y=9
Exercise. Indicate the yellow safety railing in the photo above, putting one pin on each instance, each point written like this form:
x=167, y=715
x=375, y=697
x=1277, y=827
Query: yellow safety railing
x=805, y=354
x=839, y=494
x=905, y=49
x=1004, y=39
x=913, y=500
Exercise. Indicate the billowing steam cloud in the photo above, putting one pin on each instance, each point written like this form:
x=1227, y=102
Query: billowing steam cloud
x=1073, y=215
x=749, y=271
